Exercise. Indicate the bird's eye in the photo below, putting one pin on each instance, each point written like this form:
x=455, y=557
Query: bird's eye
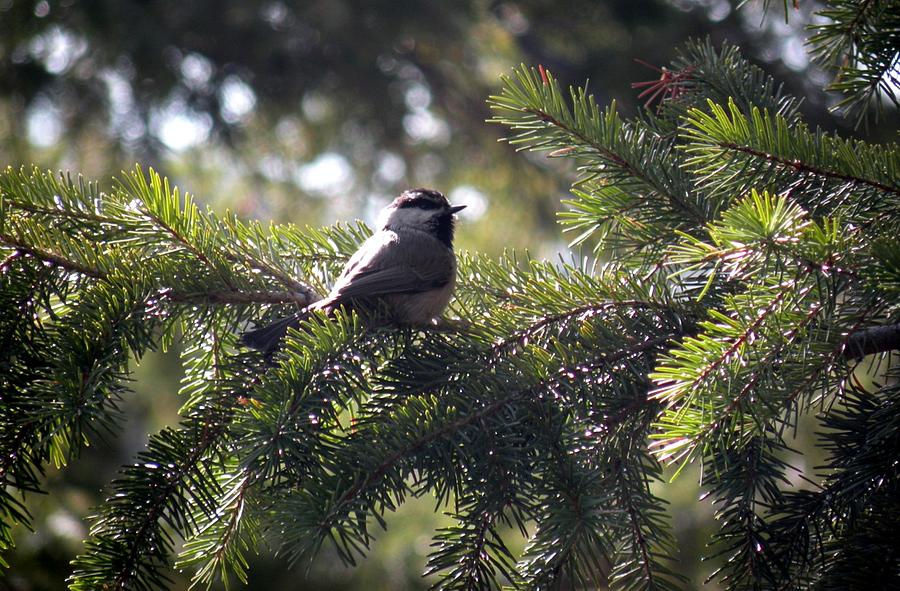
x=419, y=203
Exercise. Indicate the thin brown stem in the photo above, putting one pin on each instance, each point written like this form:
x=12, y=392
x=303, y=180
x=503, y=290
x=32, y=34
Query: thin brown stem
x=494, y=407
x=519, y=337
x=620, y=162
x=294, y=285
x=803, y=167
x=238, y=297
x=52, y=257
x=66, y=214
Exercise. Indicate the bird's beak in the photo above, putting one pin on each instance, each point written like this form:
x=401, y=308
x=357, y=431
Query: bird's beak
x=456, y=208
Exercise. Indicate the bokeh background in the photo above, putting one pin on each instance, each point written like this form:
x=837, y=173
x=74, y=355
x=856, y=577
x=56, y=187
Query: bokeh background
x=318, y=111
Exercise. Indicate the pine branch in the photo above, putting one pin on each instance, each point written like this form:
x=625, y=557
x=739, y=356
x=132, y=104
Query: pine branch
x=871, y=341
x=811, y=530
x=651, y=544
x=303, y=298
x=629, y=155
x=575, y=509
x=349, y=496
x=745, y=483
x=85, y=219
x=10, y=259
x=53, y=258
x=735, y=153
x=474, y=549
x=222, y=539
x=806, y=168
x=721, y=74
x=521, y=336
x=700, y=398
x=859, y=40
x=128, y=547
x=538, y=409
x=344, y=505
x=238, y=297
x=306, y=293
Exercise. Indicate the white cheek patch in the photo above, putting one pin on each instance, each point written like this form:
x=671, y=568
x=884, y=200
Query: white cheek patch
x=384, y=217
x=409, y=216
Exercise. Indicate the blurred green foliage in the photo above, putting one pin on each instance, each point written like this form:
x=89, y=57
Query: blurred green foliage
x=317, y=111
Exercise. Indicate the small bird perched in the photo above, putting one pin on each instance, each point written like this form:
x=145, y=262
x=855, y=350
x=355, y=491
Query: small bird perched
x=403, y=274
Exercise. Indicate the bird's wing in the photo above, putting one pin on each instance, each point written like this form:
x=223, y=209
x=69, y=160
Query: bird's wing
x=384, y=266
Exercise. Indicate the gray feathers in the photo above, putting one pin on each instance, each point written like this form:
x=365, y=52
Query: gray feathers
x=403, y=274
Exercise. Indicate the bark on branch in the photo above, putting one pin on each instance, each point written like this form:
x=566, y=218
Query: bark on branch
x=877, y=339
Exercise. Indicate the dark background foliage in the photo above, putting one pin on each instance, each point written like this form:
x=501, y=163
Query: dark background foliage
x=395, y=88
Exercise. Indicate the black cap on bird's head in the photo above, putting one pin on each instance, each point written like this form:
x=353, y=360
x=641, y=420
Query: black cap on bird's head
x=425, y=199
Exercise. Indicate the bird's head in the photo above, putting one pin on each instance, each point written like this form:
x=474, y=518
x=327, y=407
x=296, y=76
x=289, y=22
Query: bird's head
x=421, y=209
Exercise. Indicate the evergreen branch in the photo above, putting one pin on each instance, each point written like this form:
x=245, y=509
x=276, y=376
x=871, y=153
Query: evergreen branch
x=181, y=239
x=484, y=527
x=583, y=139
x=850, y=32
x=373, y=477
x=619, y=161
x=285, y=435
x=236, y=297
x=647, y=544
x=859, y=39
x=836, y=353
x=606, y=360
x=670, y=391
x=770, y=357
x=65, y=214
x=115, y=558
x=807, y=168
x=71, y=382
x=129, y=546
x=305, y=292
x=472, y=551
x=190, y=247
x=16, y=448
x=10, y=259
x=218, y=544
x=740, y=251
x=745, y=478
x=41, y=192
x=734, y=153
x=522, y=335
x=574, y=507
x=692, y=423
x=232, y=526
x=859, y=472
x=872, y=340
x=639, y=539
x=722, y=73
x=538, y=412
x=840, y=36
x=304, y=297
x=51, y=257
x=629, y=155
x=20, y=470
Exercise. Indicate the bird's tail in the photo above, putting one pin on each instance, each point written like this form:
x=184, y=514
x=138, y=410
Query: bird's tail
x=268, y=338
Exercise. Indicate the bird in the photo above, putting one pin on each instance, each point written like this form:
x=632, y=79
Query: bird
x=404, y=274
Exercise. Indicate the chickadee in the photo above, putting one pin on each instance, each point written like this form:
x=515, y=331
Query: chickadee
x=403, y=274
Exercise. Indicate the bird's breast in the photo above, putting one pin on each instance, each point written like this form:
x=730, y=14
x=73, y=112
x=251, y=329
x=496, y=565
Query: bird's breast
x=421, y=308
